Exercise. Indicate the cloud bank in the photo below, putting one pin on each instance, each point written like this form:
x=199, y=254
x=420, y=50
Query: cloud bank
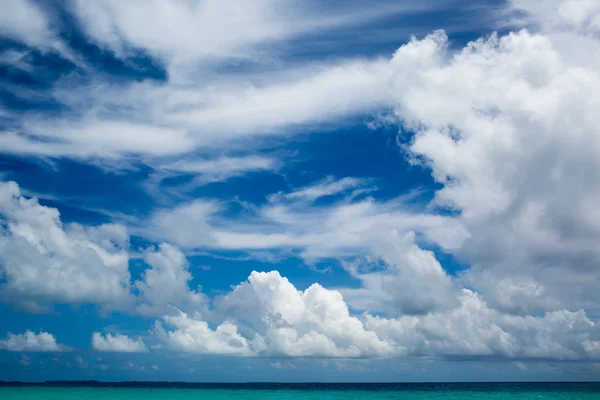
x=507, y=126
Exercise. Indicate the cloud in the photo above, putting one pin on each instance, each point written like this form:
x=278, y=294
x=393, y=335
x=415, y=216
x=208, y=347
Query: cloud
x=582, y=15
x=187, y=225
x=92, y=138
x=81, y=363
x=283, y=321
x=508, y=126
x=165, y=120
x=268, y=316
x=201, y=105
x=43, y=262
x=25, y=361
x=474, y=329
x=195, y=336
x=122, y=27
x=31, y=341
x=222, y=168
x=288, y=221
x=24, y=20
x=328, y=187
x=165, y=283
x=199, y=172
x=411, y=281
x=117, y=343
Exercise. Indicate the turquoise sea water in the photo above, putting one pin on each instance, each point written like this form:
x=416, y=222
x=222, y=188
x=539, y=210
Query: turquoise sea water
x=311, y=392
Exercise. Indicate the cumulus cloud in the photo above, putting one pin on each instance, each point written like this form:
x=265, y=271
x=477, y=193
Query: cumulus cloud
x=277, y=319
x=117, y=343
x=410, y=280
x=508, y=126
x=31, y=341
x=267, y=315
x=43, y=262
x=475, y=329
x=166, y=282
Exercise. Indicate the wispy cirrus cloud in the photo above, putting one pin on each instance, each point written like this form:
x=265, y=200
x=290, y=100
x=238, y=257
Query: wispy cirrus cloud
x=292, y=221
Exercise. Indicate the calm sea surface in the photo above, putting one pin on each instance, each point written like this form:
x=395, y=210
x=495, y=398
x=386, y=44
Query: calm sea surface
x=175, y=391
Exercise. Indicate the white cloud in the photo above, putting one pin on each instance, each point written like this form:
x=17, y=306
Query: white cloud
x=222, y=168
x=316, y=96
x=196, y=336
x=582, y=15
x=23, y=20
x=26, y=22
x=238, y=30
x=43, y=262
x=474, y=329
x=509, y=127
x=31, y=341
x=521, y=366
x=165, y=120
x=209, y=108
x=165, y=283
x=202, y=172
x=411, y=280
x=117, y=343
x=328, y=187
x=187, y=225
x=278, y=320
x=268, y=316
x=92, y=138
x=288, y=221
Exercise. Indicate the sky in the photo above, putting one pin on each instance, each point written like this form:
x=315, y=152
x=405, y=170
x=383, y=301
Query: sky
x=300, y=190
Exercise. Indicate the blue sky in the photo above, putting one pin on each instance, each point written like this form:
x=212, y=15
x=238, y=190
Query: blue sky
x=299, y=190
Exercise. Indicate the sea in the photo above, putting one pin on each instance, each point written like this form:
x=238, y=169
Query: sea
x=295, y=391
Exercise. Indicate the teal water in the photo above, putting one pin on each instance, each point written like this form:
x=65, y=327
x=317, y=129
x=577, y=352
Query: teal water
x=416, y=392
